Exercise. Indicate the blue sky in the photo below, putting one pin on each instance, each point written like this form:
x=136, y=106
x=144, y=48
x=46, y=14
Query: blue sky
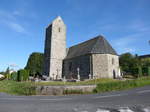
x=124, y=23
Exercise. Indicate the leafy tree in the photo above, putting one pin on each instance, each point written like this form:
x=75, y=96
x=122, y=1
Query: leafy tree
x=2, y=72
x=145, y=62
x=134, y=65
x=140, y=71
x=14, y=76
x=35, y=63
x=22, y=75
x=129, y=63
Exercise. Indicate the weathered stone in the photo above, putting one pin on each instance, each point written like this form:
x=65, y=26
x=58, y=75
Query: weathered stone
x=55, y=49
x=95, y=58
x=70, y=67
x=105, y=66
x=58, y=90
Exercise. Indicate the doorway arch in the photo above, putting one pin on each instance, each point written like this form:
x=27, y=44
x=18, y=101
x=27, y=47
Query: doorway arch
x=114, y=74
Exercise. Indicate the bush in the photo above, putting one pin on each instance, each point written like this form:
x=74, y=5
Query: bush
x=8, y=76
x=14, y=76
x=22, y=75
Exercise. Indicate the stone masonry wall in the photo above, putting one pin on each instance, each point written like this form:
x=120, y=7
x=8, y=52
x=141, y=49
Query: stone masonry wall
x=113, y=66
x=71, y=65
x=58, y=90
x=47, y=52
x=104, y=65
x=100, y=66
x=56, y=48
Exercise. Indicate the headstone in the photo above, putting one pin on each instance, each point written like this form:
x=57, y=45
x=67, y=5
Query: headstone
x=90, y=77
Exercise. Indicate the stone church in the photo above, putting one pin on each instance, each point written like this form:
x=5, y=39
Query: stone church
x=94, y=58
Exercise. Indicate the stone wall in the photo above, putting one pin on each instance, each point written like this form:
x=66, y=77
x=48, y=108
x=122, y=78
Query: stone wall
x=105, y=66
x=47, y=53
x=55, y=48
x=100, y=66
x=71, y=65
x=58, y=90
x=113, y=66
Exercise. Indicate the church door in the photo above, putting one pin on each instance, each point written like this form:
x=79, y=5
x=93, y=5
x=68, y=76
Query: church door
x=114, y=74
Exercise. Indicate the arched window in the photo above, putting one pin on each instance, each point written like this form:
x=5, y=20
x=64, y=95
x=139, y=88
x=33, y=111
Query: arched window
x=114, y=74
x=59, y=29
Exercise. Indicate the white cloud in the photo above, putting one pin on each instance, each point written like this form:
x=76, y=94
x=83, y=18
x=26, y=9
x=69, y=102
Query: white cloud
x=127, y=40
x=13, y=65
x=16, y=27
x=10, y=20
x=139, y=26
x=6, y=15
x=127, y=43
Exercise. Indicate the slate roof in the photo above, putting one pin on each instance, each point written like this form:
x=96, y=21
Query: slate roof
x=97, y=45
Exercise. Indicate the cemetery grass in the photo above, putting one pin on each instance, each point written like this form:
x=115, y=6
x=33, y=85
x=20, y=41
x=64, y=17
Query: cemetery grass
x=87, y=82
x=103, y=85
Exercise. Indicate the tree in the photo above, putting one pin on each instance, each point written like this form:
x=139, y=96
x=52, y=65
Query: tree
x=35, y=63
x=140, y=71
x=14, y=76
x=22, y=75
x=2, y=73
x=129, y=63
x=135, y=65
x=145, y=62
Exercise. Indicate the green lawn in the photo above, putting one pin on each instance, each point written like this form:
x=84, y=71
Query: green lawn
x=103, y=85
x=122, y=85
x=17, y=88
x=88, y=82
x=28, y=88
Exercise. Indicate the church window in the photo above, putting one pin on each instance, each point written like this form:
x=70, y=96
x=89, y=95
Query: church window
x=59, y=29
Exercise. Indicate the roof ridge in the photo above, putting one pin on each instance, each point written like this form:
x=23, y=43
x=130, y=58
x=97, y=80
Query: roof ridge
x=104, y=43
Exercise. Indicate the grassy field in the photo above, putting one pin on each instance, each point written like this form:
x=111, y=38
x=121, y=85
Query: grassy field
x=103, y=85
x=88, y=82
x=122, y=85
x=28, y=88
x=17, y=88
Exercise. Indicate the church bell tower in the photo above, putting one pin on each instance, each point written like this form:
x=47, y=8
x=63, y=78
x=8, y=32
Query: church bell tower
x=55, y=49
